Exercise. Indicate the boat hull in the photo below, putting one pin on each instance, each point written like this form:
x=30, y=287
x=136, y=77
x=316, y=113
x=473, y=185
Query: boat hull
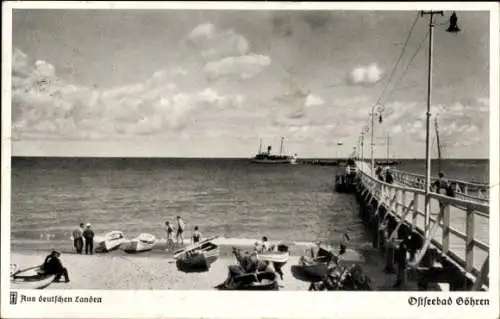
x=310, y=273
x=32, y=278
x=143, y=243
x=264, y=161
x=275, y=257
x=109, y=242
x=260, y=281
x=200, y=262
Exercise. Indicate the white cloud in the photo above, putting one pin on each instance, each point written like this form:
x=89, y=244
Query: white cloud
x=242, y=67
x=313, y=100
x=365, y=75
x=225, y=53
x=45, y=107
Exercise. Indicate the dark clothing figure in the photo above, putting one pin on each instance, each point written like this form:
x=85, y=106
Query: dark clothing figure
x=342, y=249
x=379, y=174
x=388, y=177
x=441, y=185
x=88, y=234
x=52, y=265
x=78, y=244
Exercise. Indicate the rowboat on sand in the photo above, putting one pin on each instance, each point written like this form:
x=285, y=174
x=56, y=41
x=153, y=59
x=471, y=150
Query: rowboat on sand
x=109, y=241
x=256, y=281
x=31, y=278
x=143, y=242
x=198, y=259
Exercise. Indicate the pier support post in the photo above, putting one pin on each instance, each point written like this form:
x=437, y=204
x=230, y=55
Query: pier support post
x=469, y=243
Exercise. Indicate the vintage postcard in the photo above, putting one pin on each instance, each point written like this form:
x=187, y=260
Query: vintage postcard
x=250, y=160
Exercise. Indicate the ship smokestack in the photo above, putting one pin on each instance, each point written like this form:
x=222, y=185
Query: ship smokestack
x=281, y=147
x=269, y=150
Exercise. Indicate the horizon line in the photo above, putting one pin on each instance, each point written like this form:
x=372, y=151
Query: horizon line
x=239, y=158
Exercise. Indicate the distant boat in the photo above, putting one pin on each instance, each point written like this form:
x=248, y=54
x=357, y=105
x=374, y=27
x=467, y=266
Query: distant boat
x=268, y=158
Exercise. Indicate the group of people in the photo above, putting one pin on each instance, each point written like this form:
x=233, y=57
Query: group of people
x=384, y=175
x=179, y=235
x=442, y=186
x=83, y=236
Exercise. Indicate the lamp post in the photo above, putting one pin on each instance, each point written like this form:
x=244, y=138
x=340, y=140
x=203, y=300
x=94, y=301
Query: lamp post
x=453, y=28
x=427, y=121
x=380, y=109
x=363, y=134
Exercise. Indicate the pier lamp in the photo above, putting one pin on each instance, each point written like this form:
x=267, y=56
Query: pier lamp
x=363, y=134
x=453, y=28
x=380, y=110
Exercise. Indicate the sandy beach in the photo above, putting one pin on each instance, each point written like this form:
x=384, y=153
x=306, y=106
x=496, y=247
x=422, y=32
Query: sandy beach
x=157, y=270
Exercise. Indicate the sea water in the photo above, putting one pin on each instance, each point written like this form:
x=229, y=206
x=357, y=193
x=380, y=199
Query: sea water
x=229, y=197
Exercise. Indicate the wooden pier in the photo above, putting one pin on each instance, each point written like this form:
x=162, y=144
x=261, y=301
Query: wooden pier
x=455, y=248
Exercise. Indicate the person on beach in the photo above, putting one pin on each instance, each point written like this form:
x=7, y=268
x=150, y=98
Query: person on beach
x=169, y=230
x=78, y=238
x=196, y=235
x=265, y=245
x=179, y=237
x=52, y=265
x=247, y=264
x=88, y=234
x=343, y=244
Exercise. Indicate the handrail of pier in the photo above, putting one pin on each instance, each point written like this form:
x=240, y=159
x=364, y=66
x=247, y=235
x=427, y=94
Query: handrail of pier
x=404, y=201
x=468, y=190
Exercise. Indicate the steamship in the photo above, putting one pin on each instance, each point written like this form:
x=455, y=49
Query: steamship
x=268, y=158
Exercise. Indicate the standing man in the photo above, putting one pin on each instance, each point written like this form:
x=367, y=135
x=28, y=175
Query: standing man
x=180, y=230
x=78, y=238
x=88, y=234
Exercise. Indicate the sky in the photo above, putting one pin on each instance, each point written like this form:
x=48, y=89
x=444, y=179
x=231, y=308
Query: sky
x=179, y=83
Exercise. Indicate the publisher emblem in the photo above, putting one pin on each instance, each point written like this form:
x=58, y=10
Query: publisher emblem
x=13, y=297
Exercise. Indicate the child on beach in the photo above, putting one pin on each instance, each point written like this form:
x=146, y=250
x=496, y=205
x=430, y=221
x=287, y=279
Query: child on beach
x=180, y=230
x=196, y=235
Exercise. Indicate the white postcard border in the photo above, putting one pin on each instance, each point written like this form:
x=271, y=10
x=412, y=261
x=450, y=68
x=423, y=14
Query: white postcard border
x=134, y=304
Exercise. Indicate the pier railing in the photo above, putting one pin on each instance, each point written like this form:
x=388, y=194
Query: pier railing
x=459, y=227
x=478, y=192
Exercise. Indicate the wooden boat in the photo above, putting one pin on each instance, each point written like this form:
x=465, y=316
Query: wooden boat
x=31, y=278
x=314, y=270
x=278, y=258
x=198, y=259
x=143, y=242
x=310, y=273
x=259, y=281
x=194, y=246
x=110, y=241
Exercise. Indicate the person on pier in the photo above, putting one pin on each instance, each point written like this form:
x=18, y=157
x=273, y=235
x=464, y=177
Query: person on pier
x=441, y=184
x=389, y=179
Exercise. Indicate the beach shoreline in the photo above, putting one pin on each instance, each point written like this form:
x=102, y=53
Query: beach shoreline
x=155, y=269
